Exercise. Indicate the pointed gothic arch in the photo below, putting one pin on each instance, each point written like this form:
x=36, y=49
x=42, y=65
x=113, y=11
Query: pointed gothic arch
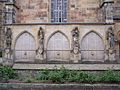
x=58, y=47
x=25, y=47
x=92, y=47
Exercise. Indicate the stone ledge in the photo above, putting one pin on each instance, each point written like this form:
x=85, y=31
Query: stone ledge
x=72, y=23
x=32, y=86
x=92, y=67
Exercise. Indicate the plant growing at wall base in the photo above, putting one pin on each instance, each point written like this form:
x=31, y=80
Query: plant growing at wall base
x=7, y=72
x=109, y=76
x=63, y=75
x=43, y=75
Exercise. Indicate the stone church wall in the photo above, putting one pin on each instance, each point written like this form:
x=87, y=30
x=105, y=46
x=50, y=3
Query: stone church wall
x=49, y=30
x=38, y=11
x=84, y=11
x=84, y=19
x=33, y=11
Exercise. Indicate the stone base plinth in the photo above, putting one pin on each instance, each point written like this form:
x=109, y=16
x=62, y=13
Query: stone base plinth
x=32, y=86
x=89, y=67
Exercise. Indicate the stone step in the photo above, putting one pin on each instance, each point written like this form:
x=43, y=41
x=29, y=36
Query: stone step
x=89, y=67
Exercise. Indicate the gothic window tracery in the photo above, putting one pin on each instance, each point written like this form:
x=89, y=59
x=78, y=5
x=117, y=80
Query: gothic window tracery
x=10, y=15
x=59, y=11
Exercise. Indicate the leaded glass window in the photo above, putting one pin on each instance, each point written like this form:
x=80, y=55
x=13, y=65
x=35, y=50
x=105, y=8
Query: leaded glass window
x=11, y=1
x=10, y=15
x=59, y=11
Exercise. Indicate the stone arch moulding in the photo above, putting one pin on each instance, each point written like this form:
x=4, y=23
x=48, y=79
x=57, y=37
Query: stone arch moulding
x=93, y=32
x=54, y=34
x=92, y=47
x=20, y=35
x=30, y=39
x=58, y=47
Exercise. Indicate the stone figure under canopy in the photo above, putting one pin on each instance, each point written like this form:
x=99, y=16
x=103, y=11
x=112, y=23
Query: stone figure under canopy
x=8, y=42
x=40, y=50
x=75, y=41
x=111, y=38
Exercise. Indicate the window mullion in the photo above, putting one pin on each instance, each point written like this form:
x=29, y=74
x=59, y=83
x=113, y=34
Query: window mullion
x=58, y=10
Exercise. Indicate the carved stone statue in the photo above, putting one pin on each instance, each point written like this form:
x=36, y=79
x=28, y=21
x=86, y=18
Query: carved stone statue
x=75, y=41
x=8, y=50
x=110, y=38
x=110, y=51
x=8, y=38
x=40, y=50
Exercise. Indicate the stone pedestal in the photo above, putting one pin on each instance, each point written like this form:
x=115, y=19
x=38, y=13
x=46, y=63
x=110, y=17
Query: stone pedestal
x=40, y=58
x=110, y=55
x=76, y=58
x=106, y=57
x=8, y=58
x=7, y=62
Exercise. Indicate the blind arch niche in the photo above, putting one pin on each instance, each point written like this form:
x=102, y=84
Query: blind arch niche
x=25, y=47
x=58, y=48
x=92, y=47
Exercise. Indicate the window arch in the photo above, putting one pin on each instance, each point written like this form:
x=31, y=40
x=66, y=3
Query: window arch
x=59, y=11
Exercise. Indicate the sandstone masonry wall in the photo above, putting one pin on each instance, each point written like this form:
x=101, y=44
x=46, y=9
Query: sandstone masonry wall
x=34, y=11
x=31, y=11
x=84, y=11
